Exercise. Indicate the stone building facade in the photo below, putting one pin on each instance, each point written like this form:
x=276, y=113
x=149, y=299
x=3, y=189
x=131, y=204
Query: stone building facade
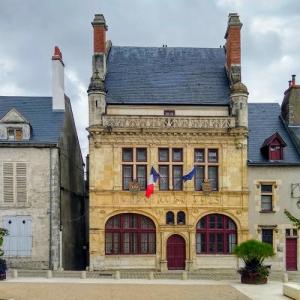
x=177, y=110
x=41, y=180
x=274, y=176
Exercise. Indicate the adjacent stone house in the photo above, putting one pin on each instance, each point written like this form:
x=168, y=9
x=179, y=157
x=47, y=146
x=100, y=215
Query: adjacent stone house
x=176, y=110
x=42, y=180
x=274, y=176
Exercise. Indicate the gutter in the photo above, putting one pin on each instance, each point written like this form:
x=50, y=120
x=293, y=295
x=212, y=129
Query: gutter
x=267, y=164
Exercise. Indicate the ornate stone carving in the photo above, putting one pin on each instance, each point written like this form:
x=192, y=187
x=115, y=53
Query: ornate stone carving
x=112, y=121
x=134, y=186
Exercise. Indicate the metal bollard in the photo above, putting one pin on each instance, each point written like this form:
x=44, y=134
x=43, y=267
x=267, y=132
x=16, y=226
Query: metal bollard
x=151, y=275
x=285, y=277
x=49, y=274
x=184, y=275
x=117, y=275
x=15, y=273
x=83, y=275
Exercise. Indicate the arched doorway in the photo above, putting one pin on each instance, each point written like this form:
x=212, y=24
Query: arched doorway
x=176, y=252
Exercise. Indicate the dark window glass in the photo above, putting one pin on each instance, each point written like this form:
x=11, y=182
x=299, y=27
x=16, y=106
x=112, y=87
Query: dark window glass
x=141, y=154
x=266, y=203
x=164, y=178
x=163, y=154
x=127, y=176
x=199, y=155
x=266, y=188
x=141, y=173
x=267, y=236
x=127, y=154
x=169, y=113
x=215, y=233
x=213, y=177
x=213, y=155
x=170, y=218
x=199, y=177
x=177, y=155
x=180, y=218
x=177, y=178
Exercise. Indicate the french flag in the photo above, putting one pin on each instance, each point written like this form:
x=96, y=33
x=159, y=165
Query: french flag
x=152, y=180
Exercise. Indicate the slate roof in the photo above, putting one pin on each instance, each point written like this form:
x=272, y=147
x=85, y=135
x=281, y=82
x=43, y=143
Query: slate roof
x=46, y=124
x=264, y=121
x=166, y=75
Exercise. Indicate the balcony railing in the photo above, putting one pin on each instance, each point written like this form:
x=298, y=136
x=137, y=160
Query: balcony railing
x=116, y=121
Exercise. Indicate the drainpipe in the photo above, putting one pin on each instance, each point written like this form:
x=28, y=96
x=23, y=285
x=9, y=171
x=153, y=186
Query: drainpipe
x=60, y=263
x=50, y=213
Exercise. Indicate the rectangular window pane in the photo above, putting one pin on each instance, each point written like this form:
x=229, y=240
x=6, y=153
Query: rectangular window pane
x=177, y=178
x=220, y=243
x=199, y=155
x=219, y=221
x=212, y=221
x=164, y=178
x=266, y=202
x=127, y=154
x=169, y=113
x=213, y=155
x=144, y=243
x=201, y=243
x=213, y=177
x=266, y=188
x=127, y=176
x=163, y=154
x=116, y=246
x=267, y=236
x=141, y=173
x=211, y=243
x=141, y=154
x=130, y=221
x=231, y=242
x=199, y=178
x=177, y=154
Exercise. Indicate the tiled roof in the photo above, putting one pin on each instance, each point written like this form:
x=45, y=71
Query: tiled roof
x=264, y=121
x=46, y=124
x=166, y=75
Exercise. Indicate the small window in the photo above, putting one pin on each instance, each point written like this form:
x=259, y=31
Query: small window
x=169, y=113
x=267, y=236
x=164, y=178
x=181, y=218
x=177, y=155
x=275, y=152
x=141, y=154
x=213, y=155
x=177, y=178
x=127, y=176
x=141, y=174
x=266, y=197
x=199, y=155
x=170, y=218
x=199, y=177
x=127, y=154
x=163, y=154
x=14, y=134
x=213, y=177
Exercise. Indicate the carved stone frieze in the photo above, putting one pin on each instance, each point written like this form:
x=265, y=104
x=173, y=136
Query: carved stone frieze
x=114, y=121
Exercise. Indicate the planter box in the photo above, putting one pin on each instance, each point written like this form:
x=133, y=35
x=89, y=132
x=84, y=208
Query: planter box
x=253, y=278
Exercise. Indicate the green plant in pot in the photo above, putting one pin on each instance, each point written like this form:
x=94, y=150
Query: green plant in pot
x=3, y=267
x=253, y=253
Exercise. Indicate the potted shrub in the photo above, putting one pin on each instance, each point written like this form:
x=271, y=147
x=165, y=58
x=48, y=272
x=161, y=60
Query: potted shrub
x=3, y=266
x=253, y=253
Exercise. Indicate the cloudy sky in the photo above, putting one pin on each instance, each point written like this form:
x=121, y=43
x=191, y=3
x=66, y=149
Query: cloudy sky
x=29, y=29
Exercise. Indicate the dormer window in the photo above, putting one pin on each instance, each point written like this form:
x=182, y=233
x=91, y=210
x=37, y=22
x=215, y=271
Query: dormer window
x=272, y=148
x=14, y=134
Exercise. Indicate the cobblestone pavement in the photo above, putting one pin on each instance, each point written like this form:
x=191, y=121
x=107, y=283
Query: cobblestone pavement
x=106, y=291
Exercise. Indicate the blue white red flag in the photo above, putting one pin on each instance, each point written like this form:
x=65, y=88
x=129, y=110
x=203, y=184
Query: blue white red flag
x=151, y=183
x=190, y=175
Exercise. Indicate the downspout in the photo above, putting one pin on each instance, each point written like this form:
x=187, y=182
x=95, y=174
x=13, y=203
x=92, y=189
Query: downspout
x=50, y=213
x=60, y=266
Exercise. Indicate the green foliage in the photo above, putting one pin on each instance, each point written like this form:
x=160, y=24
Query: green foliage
x=294, y=220
x=3, y=232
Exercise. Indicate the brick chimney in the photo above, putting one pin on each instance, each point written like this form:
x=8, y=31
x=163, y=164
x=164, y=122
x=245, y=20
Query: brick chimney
x=58, y=81
x=233, y=48
x=290, y=107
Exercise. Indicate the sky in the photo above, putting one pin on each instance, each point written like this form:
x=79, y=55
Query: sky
x=29, y=30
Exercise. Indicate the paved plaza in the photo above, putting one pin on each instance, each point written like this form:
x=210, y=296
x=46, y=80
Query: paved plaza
x=110, y=289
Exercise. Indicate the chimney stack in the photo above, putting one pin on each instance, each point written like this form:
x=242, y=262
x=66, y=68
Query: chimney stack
x=100, y=29
x=233, y=48
x=293, y=80
x=58, y=85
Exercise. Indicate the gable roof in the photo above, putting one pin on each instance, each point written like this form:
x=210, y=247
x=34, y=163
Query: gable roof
x=264, y=120
x=273, y=137
x=46, y=124
x=13, y=116
x=166, y=75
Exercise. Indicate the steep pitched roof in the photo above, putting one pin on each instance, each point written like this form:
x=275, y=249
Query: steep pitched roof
x=155, y=75
x=264, y=121
x=273, y=137
x=46, y=124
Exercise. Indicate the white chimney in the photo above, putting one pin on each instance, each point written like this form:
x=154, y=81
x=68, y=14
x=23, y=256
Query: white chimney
x=58, y=81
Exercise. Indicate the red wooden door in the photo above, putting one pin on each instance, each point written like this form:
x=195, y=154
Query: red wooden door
x=291, y=254
x=176, y=252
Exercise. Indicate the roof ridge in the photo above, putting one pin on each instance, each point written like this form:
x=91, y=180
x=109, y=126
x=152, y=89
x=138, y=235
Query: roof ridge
x=172, y=47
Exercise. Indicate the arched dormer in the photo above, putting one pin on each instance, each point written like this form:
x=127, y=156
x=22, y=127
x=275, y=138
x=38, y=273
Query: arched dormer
x=272, y=147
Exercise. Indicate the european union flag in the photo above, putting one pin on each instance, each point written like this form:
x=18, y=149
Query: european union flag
x=190, y=175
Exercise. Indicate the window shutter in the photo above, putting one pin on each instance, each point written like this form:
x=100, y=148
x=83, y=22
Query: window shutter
x=8, y=182
x=21, y=182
